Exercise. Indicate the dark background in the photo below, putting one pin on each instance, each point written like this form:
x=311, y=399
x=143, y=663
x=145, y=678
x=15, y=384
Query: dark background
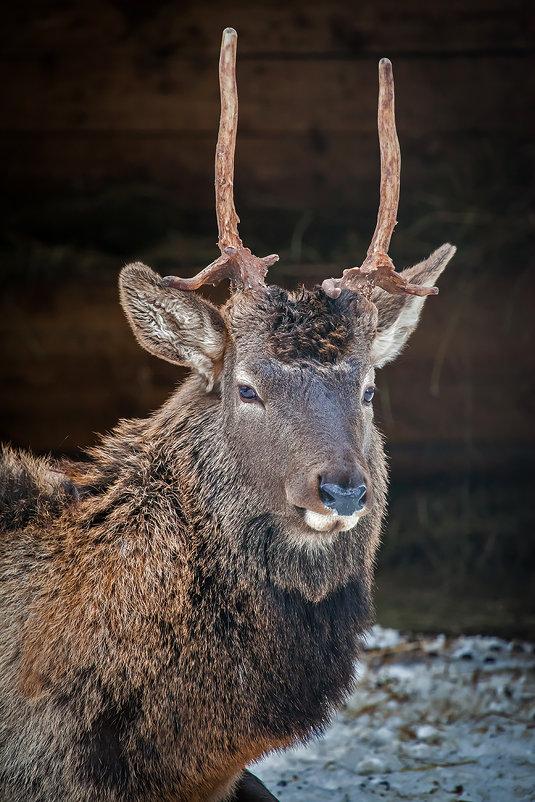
x=109, y=122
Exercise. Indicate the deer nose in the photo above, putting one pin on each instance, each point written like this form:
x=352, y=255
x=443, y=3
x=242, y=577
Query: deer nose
x=344, y=500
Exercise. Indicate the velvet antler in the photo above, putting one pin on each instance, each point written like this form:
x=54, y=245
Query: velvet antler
x=236, y=262
x=378, y=269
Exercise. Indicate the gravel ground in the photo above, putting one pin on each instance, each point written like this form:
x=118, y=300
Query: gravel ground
x=441, y=718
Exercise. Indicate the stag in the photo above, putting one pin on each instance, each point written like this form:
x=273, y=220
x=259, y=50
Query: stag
x=195, y=594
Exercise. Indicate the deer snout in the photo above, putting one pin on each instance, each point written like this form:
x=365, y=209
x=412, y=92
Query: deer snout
x=342, y=492
x=343, y=500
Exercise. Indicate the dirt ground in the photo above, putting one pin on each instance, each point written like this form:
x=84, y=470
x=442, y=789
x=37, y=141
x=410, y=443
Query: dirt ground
x=432, y=717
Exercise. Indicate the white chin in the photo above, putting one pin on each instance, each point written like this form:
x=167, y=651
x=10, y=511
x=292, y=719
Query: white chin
x=331, y=522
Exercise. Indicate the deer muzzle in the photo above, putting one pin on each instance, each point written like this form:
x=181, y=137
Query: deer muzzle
x=330, y=499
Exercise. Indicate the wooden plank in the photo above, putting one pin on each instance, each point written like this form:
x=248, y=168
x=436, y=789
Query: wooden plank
x=433, y=96
x=72, y=366
x=283, y=29
x=280, y=171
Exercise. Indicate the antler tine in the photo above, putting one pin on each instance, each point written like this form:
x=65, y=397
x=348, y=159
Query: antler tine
x=236, y=263
x=390, y=164
x=377, y=268
x=227, y=219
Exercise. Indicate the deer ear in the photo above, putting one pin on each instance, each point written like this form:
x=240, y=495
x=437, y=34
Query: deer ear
x=398, y=314
x=175, y=325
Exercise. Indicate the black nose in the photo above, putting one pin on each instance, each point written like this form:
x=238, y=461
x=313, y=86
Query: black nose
x=344, y=500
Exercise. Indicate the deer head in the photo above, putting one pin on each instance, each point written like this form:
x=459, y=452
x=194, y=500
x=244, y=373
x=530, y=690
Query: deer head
x=289, y=376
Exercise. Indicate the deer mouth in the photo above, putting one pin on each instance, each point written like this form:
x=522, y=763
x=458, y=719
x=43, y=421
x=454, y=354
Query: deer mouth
x=330, y=522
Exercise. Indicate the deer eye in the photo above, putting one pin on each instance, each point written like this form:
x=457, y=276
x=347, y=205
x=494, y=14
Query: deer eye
x=247, y=393
x=368, y=394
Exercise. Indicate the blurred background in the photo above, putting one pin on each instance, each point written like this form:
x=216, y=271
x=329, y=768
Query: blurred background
x=108, y=128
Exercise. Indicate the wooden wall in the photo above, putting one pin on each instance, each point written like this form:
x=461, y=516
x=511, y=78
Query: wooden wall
x=113, y=100
x=110, y=91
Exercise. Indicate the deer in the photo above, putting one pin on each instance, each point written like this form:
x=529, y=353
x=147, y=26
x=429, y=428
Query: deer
x=195, y=594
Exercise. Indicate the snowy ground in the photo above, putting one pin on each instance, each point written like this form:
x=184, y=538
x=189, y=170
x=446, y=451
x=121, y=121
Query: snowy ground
x=442, y=719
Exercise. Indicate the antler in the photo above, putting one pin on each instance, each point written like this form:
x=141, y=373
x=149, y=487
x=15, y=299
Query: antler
x=236, y=263
x=377, y=268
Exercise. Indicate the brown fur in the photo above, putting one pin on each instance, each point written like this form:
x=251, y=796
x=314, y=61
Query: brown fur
x=173, y=617
x=307, y=326
x=30, y=489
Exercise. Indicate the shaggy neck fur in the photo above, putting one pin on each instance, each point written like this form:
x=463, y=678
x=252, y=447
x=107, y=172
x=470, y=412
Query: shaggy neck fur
x=160, y=470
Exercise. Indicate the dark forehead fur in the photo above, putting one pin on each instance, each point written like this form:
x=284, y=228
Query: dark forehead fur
x=305, y=324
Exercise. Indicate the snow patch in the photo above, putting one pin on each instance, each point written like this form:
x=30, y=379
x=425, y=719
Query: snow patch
x=450, y=718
